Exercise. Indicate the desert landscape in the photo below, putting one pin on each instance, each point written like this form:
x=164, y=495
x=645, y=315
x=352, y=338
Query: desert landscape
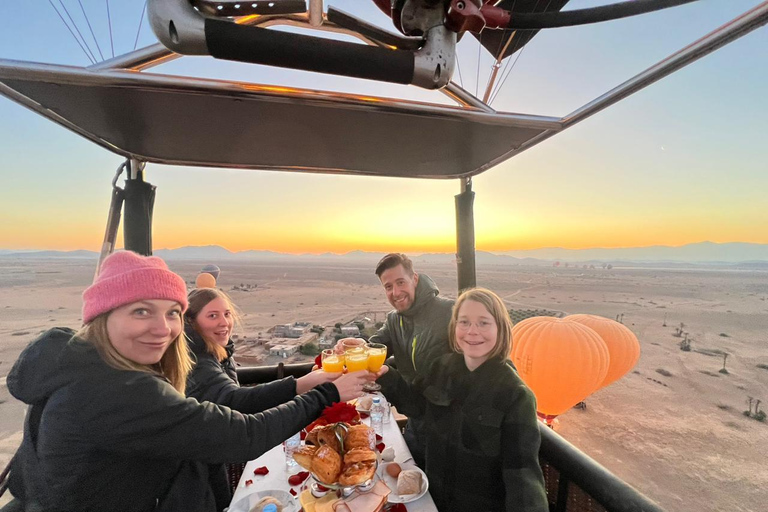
x=673, y=427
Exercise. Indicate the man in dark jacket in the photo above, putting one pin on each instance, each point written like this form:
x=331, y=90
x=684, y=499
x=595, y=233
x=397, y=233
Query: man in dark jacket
x=416, y=332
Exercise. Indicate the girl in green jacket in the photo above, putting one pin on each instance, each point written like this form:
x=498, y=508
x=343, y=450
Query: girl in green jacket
x=482, y=432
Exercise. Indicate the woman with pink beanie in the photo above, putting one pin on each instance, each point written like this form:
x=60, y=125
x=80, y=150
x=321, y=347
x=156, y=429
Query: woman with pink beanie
x=109, y=427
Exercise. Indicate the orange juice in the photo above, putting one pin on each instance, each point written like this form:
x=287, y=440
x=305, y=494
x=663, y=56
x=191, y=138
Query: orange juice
x=357, y=362
x=333, y=364
x=376, y=359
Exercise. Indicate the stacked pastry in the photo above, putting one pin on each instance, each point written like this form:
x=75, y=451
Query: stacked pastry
x=323, y=456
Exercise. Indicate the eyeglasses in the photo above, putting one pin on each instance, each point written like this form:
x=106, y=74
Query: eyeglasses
x=482, y=325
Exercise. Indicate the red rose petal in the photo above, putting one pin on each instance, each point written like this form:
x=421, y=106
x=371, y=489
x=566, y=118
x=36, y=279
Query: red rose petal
x=364, y=415
x=319, y=361
x=248, y=482
x=298, y=478
x=378, y=437
x=261, y=471
x=293, y=493
x=303, y=435
x=381, y=447
x=322, y=488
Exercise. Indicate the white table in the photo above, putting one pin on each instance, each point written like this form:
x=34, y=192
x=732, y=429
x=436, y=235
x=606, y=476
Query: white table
x=277, y=478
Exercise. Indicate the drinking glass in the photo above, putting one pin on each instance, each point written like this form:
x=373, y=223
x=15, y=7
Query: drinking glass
x=332, y=362
x=377, y=354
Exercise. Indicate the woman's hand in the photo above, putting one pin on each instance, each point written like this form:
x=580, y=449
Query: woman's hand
x=350, y=385
x=313, y=379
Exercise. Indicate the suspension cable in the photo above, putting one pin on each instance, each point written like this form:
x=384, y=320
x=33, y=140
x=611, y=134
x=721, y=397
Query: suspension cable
x=109, y=22
x=88, y=22
x=136, y=42
x=93, y=55
x=70, y=31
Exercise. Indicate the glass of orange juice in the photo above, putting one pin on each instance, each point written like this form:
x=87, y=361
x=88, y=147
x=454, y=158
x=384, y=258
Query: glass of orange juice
x=377, y=354
x=332, y=362
x=356, y=360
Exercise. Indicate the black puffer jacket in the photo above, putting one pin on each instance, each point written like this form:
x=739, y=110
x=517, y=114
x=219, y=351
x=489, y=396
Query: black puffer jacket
x=98, y=438
x=216, y=381
x=482, y=435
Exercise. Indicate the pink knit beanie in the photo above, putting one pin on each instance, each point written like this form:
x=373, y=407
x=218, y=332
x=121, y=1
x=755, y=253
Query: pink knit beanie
x=128, y=277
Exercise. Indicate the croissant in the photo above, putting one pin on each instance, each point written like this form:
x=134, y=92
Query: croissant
x=359, y=455
x=356, y=474
x=327, y=436
x=360, y=436
x=326, y=464
x=304, y=456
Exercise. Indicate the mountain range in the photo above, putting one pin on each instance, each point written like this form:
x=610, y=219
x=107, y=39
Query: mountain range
x=698, y=253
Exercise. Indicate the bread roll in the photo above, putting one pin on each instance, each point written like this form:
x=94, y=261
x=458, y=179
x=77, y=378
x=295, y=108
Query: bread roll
x=267, y=500
x=304, y=456
x=326, y=464
x=360, y=436
x=356, y=474
x=409, y=482
x=359, y=455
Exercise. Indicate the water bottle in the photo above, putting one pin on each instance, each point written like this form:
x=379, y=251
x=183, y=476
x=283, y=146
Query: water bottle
x=290, y=445
x=377, y=416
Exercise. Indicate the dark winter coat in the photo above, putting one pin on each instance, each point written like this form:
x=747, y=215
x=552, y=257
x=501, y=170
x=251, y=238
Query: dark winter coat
x=416, y=338
x=482, y=435
x=97, y=438
x=419, y=335
x=216, y=381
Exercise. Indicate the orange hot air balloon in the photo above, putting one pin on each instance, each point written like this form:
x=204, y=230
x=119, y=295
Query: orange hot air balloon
x=562, y=362
x=205, y=280
x=622, y=343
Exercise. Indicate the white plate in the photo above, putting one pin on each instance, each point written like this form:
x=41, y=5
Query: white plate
x=245, y=503
x=392, y=483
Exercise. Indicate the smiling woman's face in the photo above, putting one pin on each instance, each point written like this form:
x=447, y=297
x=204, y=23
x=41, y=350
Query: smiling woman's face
x=142, y=331
x=215, y=320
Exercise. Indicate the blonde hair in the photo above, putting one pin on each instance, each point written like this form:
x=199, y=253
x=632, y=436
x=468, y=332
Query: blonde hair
x=498, y=311
x=198, y=299
x=175, y=364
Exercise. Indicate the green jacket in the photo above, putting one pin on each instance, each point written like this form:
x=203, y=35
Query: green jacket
x=419, y=335
x=482, y=435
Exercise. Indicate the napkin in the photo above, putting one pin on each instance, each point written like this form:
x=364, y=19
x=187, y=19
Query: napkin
x=370, y=501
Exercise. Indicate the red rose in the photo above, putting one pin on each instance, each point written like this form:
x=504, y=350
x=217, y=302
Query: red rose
x=341, y=412
x=319, y=361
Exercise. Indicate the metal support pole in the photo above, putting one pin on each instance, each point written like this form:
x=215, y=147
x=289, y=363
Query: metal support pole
x=465, y=236
x=139, y=203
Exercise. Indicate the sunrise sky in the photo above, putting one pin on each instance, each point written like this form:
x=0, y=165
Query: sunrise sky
x=680, y=162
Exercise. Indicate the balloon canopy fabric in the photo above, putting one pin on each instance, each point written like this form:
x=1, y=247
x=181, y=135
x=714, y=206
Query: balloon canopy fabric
x=205, y=280
x=562, y=362
x=213, y=270
x=623, y=347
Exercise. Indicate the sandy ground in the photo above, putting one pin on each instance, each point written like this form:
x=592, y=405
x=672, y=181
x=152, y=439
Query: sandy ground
x=681, y=439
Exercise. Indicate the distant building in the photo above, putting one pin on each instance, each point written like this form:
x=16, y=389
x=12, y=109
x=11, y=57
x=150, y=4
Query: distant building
x=283, y=350
x=295, y=330
x=350, y=331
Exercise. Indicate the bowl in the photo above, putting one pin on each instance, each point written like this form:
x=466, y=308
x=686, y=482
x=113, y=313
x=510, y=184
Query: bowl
x=248, y=501
x=392, y=483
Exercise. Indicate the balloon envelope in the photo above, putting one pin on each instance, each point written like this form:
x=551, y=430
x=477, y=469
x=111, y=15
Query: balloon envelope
x=623, y=347
x=205, y=280
x=562, y=362
x=213, y=270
